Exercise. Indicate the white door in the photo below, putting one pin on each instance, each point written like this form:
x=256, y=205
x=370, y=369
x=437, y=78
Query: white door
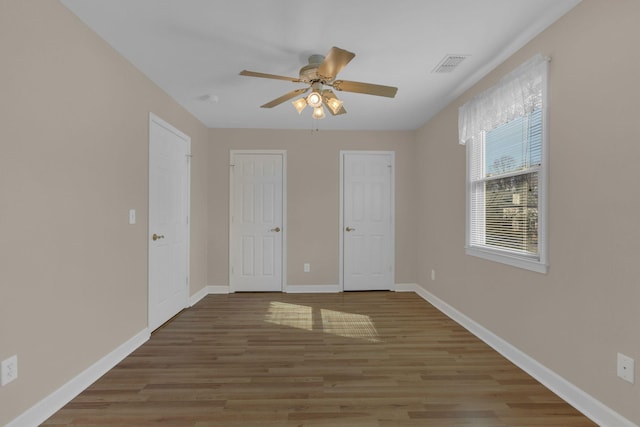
x=367, y=221
x=168, y=221
x=257, y=224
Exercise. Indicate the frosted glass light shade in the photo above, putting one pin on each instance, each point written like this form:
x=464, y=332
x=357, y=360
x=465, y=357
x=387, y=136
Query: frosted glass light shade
x=334, y=104
x=299, y=104
x=314, y=99
x=318, y=112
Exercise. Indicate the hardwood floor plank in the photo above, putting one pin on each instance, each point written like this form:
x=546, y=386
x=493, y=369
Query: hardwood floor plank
x=375, y=359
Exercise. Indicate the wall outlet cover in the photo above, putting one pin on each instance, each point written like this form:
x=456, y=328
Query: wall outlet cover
x=9, y=370
x=626, y=368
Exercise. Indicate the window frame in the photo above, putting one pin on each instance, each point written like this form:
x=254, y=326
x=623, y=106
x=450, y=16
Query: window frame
x=540, y=263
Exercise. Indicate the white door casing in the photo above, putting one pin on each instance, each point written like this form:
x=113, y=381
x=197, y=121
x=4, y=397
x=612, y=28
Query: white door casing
x=257, y=220
x=168, y=234
x=367, y=220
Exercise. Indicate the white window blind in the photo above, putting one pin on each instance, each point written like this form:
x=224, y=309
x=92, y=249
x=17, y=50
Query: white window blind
x=506, y=178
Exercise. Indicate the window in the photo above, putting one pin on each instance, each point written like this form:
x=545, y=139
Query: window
x=504, y=130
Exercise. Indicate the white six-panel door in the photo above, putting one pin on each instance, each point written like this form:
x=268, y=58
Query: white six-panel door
x=257, y=226
x=367, y=221
x=168, y=235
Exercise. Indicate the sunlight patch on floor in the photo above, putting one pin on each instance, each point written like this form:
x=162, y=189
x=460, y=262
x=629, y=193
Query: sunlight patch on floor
x=348, y=325
x=293, y=315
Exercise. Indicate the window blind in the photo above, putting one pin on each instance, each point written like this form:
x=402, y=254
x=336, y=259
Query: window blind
x=504, y=199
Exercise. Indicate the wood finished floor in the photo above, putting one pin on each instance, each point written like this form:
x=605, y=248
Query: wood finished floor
x=348, y=359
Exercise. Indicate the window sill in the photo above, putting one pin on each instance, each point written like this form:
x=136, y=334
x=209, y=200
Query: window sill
x=515, y=261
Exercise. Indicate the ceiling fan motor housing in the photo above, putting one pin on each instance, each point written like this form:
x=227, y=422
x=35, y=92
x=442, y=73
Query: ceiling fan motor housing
x=309, y=73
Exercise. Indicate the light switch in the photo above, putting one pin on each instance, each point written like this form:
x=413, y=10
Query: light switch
x=132, y=216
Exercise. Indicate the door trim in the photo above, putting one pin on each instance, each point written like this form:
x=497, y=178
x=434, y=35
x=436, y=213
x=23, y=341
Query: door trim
x=160, y=122
x=392, y=193
x=283, y=153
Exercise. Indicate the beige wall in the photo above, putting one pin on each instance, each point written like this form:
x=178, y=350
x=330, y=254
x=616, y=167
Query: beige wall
x=578, y=316
x=313, y=168
x=73, y=161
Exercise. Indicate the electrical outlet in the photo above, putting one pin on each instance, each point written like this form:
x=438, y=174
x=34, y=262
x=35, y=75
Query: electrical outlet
x=307, y=267
x=9, y=368
x=626, y=367
x=433, y=275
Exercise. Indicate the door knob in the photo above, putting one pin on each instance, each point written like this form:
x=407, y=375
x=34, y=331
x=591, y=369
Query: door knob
x=157, y=236
x=277, y=229
x=350, y=229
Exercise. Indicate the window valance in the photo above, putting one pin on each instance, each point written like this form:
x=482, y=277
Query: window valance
x=517, y=94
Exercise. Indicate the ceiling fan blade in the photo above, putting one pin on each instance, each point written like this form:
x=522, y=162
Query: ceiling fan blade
x=268, y=76
x=367, y=88
x=328, y=94
x=334, y=62
x=285, y=97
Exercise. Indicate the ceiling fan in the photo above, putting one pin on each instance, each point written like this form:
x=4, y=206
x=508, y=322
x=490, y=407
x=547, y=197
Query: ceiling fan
x=320, y=74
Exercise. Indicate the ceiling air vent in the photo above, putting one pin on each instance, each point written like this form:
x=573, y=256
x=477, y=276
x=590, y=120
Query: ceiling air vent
x=449, y=63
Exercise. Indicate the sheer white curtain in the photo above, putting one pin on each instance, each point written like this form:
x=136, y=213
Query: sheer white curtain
x=517, y=94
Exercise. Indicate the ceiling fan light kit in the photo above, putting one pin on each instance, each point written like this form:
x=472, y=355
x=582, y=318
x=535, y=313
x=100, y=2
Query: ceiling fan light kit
x=320, y=72
x=334, y=104
x=299, y=104
x=314, y=99
x=318, y=113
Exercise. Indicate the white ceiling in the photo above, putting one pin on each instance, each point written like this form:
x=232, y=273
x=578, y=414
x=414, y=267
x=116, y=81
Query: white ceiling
x=194, y=50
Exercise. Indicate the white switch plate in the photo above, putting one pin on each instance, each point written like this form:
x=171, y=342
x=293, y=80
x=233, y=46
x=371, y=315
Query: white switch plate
x=132, y=216
x=307, y=267
x=433, y=275
x=626, y=368
x=9, y=368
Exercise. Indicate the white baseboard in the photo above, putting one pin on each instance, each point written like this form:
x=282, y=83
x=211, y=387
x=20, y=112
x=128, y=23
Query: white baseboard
x=312, y=289
x=219, y=289
x=318, y=289
x=405, y=287
x=48, y=406
x=292, y=289
x=582, y=401
x=195, y=298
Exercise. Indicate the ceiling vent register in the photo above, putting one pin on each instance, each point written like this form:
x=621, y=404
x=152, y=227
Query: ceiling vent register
x=449, y=63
